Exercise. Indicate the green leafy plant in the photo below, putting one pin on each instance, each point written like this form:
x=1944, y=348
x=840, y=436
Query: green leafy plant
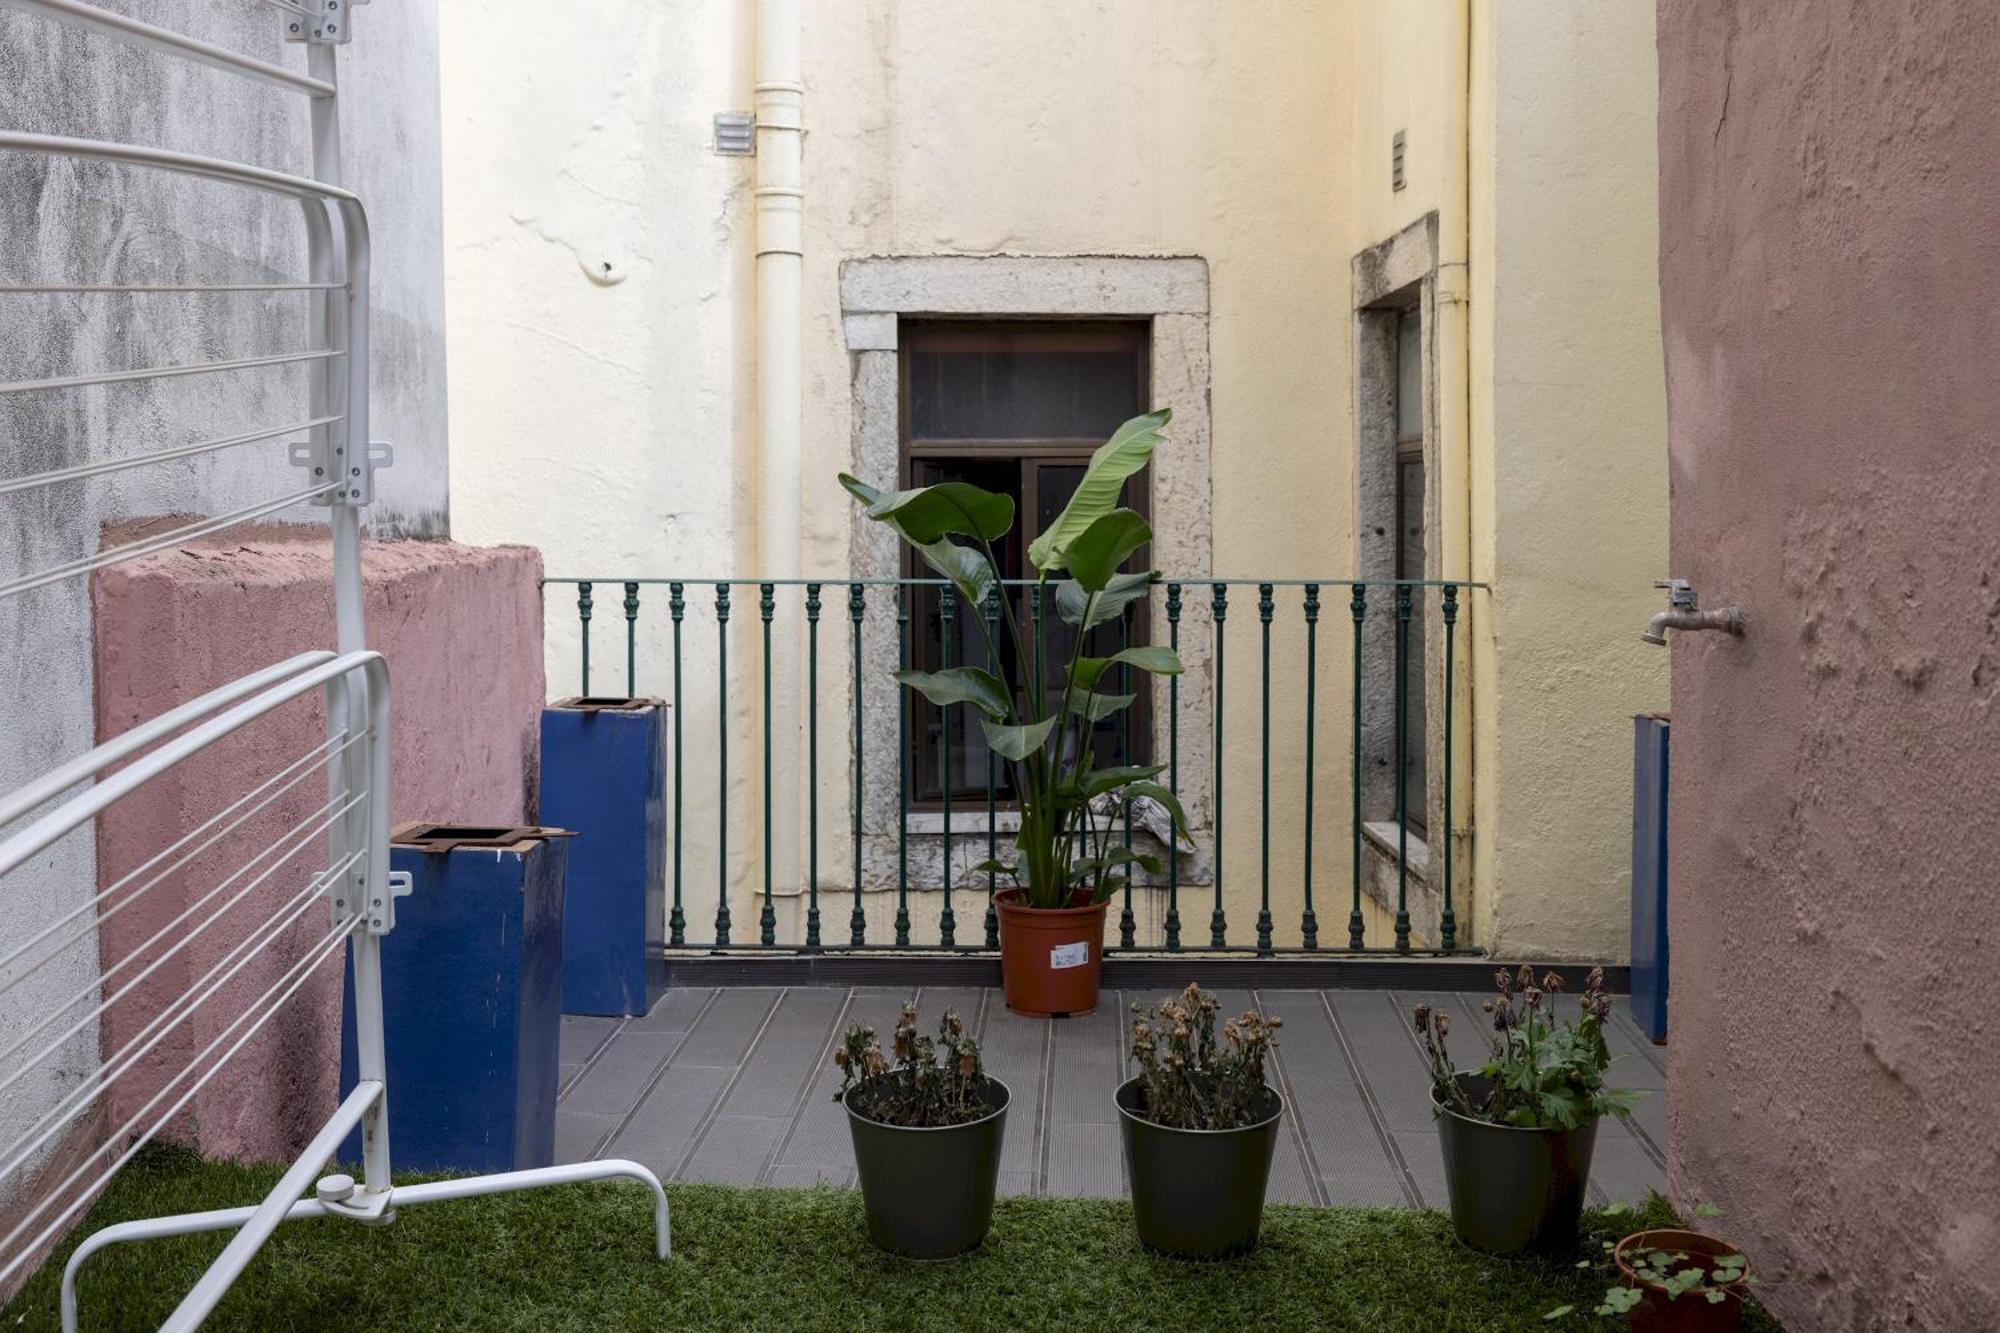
x=1540, y=1073
x=1187, y=1079
x=1063, y=853
x=1678, y=1273
x=930, y=1084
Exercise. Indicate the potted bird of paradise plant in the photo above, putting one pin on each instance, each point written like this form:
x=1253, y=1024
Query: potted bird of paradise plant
x=1066, y=864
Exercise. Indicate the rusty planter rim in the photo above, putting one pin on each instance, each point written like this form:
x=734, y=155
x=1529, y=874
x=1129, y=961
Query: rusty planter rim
x=1016, y=900
x=1694, y=1242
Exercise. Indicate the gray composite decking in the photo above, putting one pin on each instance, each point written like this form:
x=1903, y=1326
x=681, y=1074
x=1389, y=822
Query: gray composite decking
x=736, y=1085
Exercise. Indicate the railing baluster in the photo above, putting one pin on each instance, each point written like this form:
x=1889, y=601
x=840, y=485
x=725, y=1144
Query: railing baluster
x=1264, y=608
x=1357, y=606
x=722, y=765
x=767, y=920
x=1173, y=925
x=857, y=609
x=631, y=640
x=1126, y=926
x=583, y=618
x=677, y=923
x=812, y=767
x=948, y=622
x=992, y=771
x=1448, y=922
x=903, y=771
x=1218, y=922
x=1309, y=923
x=1403, y=608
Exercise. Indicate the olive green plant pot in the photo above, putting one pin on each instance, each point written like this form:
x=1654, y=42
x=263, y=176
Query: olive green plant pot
x=928, y=1193
x=1198, y=1193
x=1513, y=1189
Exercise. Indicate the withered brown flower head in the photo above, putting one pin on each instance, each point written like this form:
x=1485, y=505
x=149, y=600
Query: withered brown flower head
x=1504, y=980
x=1443, y=1024
x=1423, y=1016
x=1553, y=982
x=1526, y=977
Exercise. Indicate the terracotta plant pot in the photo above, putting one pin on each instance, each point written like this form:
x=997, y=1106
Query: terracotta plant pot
x=1050, y=957
x=1658, y=1312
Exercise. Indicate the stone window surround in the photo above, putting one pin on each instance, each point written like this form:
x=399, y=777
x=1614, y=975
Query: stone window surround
x=1390, y=278
x=1171, y=293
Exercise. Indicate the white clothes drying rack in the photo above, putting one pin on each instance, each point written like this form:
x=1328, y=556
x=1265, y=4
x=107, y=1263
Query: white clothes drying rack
x=337, y=463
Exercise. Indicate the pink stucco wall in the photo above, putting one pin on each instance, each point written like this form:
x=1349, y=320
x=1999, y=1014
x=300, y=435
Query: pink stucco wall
x=1830, y=273
x=461, y=628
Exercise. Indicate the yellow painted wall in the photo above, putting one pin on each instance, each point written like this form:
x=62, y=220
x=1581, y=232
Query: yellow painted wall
x=612, y=424
x=1567, y=459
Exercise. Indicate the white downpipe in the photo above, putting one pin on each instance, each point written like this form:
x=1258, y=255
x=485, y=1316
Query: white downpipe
x=780, y=196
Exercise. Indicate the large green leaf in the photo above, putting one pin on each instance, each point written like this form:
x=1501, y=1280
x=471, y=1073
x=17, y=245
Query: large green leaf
x=1121, y=592
x=969, y=570
x=1101, y=780
x=1093, y=558
x=1018, y=743
x=1096, y=707
x=1146, y=657
x=932, y=513
x=1118, y=458
x=961, y=685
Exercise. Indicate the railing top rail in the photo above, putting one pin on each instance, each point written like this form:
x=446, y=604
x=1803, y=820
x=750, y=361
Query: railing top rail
x=1192, y=581
x=134, y=33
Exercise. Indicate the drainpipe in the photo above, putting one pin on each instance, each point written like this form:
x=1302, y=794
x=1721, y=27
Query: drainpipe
x=1452, y=348
x=780, y=198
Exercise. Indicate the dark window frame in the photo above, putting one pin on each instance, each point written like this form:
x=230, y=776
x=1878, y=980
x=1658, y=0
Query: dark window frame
x=1031, y=456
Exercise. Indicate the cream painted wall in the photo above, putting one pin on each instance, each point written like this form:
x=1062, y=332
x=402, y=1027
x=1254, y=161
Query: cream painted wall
x=1567, y=467
x=612, y=425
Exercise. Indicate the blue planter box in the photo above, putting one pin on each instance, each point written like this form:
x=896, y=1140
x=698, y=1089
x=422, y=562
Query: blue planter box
x=471, y=990
x=604, y=776
x=1649, y=874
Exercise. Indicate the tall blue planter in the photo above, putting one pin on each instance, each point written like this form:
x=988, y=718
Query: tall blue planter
x=604, y=776
x=1649, y=874
x=471, y=987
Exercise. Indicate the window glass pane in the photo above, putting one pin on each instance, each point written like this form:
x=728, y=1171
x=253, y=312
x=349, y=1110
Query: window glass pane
x=1028, y=384
x=1409, y=377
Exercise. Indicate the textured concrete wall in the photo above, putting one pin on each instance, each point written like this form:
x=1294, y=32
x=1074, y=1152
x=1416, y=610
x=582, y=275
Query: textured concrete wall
x=461, y=629
x=1831, y=305
x=65, y=222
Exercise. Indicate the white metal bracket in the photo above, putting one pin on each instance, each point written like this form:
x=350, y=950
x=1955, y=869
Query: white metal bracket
x=329, y=461
x=341, y=1197
x=382, y=912
x=323, y=22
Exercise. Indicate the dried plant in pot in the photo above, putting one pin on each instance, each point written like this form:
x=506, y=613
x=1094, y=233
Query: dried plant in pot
x=1041, y=696
x=1518, y=1131
x=1200, y=1126
x=927, y=1122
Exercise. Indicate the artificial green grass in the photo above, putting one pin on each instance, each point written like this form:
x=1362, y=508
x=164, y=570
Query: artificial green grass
x=580, y=1257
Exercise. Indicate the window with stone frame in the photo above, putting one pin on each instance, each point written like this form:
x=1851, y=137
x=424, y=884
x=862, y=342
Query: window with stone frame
x=1016, y=407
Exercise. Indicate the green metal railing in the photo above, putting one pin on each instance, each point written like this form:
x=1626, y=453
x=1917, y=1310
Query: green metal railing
x=1382, y=612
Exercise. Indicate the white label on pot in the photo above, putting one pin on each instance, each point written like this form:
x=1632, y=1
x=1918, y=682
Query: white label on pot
x=1069, y=955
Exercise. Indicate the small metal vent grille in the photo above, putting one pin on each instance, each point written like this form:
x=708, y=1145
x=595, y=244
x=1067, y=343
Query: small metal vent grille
x=1396, y=160
x=735, y=133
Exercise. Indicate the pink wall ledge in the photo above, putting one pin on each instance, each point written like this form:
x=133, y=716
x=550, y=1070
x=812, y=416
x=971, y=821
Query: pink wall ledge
x=461, y=628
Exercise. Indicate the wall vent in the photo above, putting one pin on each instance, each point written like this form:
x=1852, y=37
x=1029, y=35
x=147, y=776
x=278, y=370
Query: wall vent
x=1396, y=159
x=735, y=133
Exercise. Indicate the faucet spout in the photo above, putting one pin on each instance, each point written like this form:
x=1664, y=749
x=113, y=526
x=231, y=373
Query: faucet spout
x=1728, y=619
